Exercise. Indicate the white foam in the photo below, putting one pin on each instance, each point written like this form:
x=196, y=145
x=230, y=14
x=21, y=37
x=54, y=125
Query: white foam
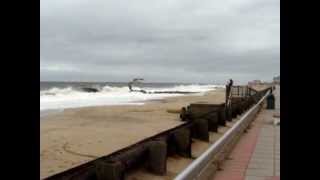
x=61, y=98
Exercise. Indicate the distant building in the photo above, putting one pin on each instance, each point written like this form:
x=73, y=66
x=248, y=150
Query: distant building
x=276, y=79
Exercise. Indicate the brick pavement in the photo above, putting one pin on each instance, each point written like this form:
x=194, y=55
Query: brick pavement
x=257, y=154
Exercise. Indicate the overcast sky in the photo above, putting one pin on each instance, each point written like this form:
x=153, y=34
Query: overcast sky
x=160, y=40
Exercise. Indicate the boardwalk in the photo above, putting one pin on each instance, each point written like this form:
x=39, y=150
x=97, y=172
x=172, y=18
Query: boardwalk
x=257, y=155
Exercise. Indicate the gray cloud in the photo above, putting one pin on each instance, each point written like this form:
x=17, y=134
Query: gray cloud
x=177, y=40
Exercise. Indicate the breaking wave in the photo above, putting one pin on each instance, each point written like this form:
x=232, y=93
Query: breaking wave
x=70, y=97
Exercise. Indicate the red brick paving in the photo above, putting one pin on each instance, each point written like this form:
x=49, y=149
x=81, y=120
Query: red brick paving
x=235, y=168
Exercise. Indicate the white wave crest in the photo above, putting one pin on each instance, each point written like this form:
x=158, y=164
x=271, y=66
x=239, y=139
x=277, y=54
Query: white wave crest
x=60, y=98
x=57, y=91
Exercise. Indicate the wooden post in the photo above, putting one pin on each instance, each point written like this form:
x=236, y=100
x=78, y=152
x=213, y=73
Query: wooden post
x=183, y=142
x=109, y=170
x=202, y=130
x=157, y=159
x=222, y=116
x=213, y=122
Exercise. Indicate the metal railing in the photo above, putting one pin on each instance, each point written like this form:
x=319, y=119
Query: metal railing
x=242, y=91
x=196, y=168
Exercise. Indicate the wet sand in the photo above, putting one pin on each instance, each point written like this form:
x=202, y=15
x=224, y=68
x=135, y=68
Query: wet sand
x=79, y=135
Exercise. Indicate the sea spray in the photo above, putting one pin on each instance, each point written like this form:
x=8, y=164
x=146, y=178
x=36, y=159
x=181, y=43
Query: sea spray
x=70, y=97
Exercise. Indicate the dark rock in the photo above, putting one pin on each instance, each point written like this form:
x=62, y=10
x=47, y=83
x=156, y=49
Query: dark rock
x=89, y=89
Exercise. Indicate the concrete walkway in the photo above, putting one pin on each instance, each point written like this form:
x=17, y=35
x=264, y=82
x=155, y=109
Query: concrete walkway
x=257, y=154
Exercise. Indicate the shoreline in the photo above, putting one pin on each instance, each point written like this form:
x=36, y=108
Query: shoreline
x=92, y=130
x=48, y=112
x=79, y=135
x=45, y=113
x=111, y=95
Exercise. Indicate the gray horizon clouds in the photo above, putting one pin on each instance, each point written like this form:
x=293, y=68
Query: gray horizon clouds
x=161, y=41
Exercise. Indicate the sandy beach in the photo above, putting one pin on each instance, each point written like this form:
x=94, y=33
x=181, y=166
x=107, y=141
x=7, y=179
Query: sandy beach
x=75, y=136
x=78, y=135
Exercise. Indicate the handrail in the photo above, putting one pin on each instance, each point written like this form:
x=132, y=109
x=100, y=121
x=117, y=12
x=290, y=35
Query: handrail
x=197, y=166
x=242, y=91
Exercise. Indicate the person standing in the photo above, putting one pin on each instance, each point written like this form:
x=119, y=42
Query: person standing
x=228, y=99
x=230, y=82
x=228, y=87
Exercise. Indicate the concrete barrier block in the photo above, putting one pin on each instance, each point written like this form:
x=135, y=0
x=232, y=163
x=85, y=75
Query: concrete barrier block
x=157, y=157
x=213, y=122
x=182, y=140
x=222, y=117
x=201, y=129
x=109, y=170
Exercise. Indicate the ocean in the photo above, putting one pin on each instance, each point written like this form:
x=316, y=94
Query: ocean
x=56, y=96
